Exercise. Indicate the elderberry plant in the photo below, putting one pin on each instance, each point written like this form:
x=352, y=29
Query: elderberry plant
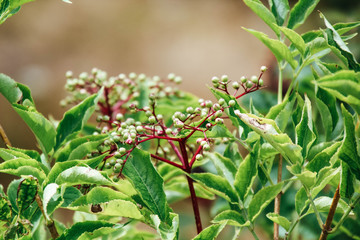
x=153, y=145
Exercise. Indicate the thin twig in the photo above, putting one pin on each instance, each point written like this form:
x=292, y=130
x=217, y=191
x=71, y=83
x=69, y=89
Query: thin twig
x=277, y=200
x=49, y=222
x=4, y=137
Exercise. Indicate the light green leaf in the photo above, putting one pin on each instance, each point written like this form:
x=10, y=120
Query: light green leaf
x=8, y=154
x=263, y=13
x=323, y=204
x=59, y=167
x=224, y=166
x=280, y=9
x=75, y=118
x=108, y=202
x=210, y=232
x=247, y=173
x=348, y=150
x=168, y=171
x=76, y=230
x=167, y=231
x=79, y=147
x=263, y=198
x=279, y=49
x=23, y=166
x=232, y=152
x=281, y=113
x=347, y=181
x=305, y=135
x=49, y=191
x=268, y=129
x=342, y=28
x=148, y=183
x=282, y=221
x=344, y=85
x=295, y=39
x=322, y=159
x=300, y=12
x=39, y=125
x=82, y=175
x=217, y=184
x=231, y=217
x=9, y=89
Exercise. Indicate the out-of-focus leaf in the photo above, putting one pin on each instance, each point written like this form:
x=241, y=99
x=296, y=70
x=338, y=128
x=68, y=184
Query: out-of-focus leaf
x=167, y=231
x=300, y=12
x=347, y=181
x=210, y=232
x=282, y=221
x=231, y=217
x=76, y=230
x=280, y=9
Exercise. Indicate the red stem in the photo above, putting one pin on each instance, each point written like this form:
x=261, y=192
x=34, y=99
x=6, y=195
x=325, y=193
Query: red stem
x=167, y=161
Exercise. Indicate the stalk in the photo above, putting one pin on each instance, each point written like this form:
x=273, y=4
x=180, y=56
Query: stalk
x=327, y=227
x=277, y=200
x=4, y=137
x=49, y=223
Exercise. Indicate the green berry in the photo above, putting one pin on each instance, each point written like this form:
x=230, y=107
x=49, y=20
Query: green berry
x=236, y=85
x=199, y=156
x=263, y=68
x=221, y=101
x=122, y=150
x=215, y=80
x=254, y=79
x=232, y=103
x=249, y=84
x=224, y=78
x=243, y=79
x=261, y=82
x=152, y=120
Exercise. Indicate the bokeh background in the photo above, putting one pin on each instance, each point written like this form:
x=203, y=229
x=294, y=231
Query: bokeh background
x=194, y=39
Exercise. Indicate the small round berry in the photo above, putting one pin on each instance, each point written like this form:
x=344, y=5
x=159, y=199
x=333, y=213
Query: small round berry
x=142, y=77
x=263, y=68
x=190, y=110
x=168, y=131
x=119, y=117
x=132, y=75
x=236, y=85
x=232, y=103
x=99, y=118
x=199, y=156
x=206, y=147
x=249, y=84
x=208, y=125
x=243, y=79
x=122, y=150
x=152, y=119
x=208, y=103
x=107, y=165
x=83, y=75
x=106, y=118
x=261, y=82
x=254, y=79
x=160, y=117
x=112, y=161
x=69, y=74
x=171, y=76
x=139, y=128
x=215, y=80
x=224, y=78
x=148, y=113
x=221, y=101
x=178, y=80
x=219, y=121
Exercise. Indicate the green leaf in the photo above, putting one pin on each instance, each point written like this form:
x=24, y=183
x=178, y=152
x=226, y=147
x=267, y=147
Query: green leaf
x=305, y=135
x=278, y=48
x=9, y=89
x=344, y=85
x=75, y=118
x=335, y=40
x=280, y=9
x=23, y=166
x=299, y=13
x=30, y=153
x=282, y=221
x=108, y=202
x=263, y=198
x=79, y=147
x=295, y=39
x=342, y=28
x=49, y=191
x=8, y=154
x=210, y=232
x=322, y=159
x=167, y=231
x=232, y=152
x=82, y=175
x=5, y=210
x=348, y=150
x=347, y=181
x=263, y=13
x=12, y=193
x=323, y=204
x=224, y=166
x=231, y=217
x=247, y=173
x=217, y=184
x=59, y=167
x=268, y=129
x=26, y=193
x=80, y=228
x=281, y=113
x=39, y=125
x=147, y=182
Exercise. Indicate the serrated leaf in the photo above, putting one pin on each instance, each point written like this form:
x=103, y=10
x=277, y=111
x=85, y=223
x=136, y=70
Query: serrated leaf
x=263, y=198
x=75, y=118
x=278, y=48
x=299, y=13
x=59, y=167
x=348, y=150
x=22, y=166
x=231, y=217
x=344, y=85
x=217, y=184
x=9, y=89
x=347, y=181
x=80, y=228
x=210, y=232
x=282, y=221
x=224, y=166
x=247, y=173
x=82, y=175
x=268, y=129
x=280, y=9
x=42, y=128
x=305, y=135
x=79, y=147
x=147, y=182
x=108, y=202
x=8, y=154
x=335, y=40
x=167, y=231
x=30, y=153
x=263, y=13
x=294, y=38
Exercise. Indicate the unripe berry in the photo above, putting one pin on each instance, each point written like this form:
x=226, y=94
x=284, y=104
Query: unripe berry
x=156, y=78
x=236, y=85
x=219, y=120
x=208, y=125
x=206, y=147
x=249, y=84
x=199, y=156
x=221, y=101
x=69, y=74
x=263, y=68
x=178, y=80
x=139, y=128
x=232, y=103
x=190, y=110
x=122, y=150
x=224, y=78
x=215, y=80
x=243, y=79
x=132, y=75
x=261, y=82
x=168, y=131
x=171, y=76
x=159, y=117
x=142, y=77
x=254, y=79
x=152, y=119
x=118, y=154
x=148, y=113
x=106, y=118
x=83, y=75
x=208, y=104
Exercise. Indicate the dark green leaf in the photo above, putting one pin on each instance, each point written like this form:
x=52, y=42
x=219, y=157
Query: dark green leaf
x=219, y=185
x=247, y=173
x=263, y=13
x=5, y=210
x=299, y=13
x=322, y=159
x=210, y=232
x=42, y=128
x=232, y=152
x=280, y=9
x=263, y=198
x=147, y=182
x=347, y=181
x=75, y=118
x=278, y=48
x=12, y=193
x=8, y=154
x=26, y=193
x=348, y=150
x=30, y=153
x=80, y=228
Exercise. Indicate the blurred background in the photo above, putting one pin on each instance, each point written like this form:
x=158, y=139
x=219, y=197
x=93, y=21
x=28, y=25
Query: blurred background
x=194, y=39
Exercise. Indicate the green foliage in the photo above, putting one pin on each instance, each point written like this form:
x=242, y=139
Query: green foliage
x=154, y=145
